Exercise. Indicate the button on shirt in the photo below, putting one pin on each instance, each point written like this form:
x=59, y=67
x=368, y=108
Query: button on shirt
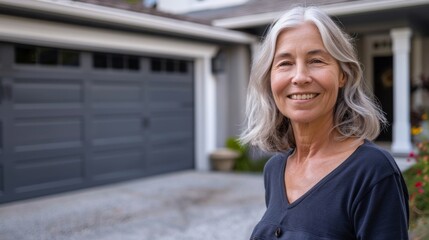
x=278, y=232
x=363, y=198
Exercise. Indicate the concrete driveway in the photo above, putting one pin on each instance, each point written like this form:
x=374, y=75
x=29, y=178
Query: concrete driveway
x=186, y=205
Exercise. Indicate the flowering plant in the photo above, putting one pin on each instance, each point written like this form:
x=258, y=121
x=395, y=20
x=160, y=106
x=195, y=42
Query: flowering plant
x=417, y=176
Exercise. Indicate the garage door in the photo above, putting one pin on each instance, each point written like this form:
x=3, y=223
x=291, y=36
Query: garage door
x=73, y=119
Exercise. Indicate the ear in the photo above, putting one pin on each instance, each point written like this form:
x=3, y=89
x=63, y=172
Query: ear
x=343, y=80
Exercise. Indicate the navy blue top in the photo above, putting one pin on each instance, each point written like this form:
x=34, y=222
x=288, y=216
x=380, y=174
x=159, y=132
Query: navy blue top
x=365, y=197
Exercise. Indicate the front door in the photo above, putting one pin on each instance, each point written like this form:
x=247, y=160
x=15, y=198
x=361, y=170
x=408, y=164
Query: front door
x=383, y=90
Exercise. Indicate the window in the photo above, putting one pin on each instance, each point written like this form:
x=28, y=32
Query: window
x=35, y=55
x=156, y=65
x=118, y=61
x=69, y=58
x=25, y=54
x=100, y=60
x=48, y=56
x=183, y=66
x=133, y=63
x=115, y=61
x=168, y=65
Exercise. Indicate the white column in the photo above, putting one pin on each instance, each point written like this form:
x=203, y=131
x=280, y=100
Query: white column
x=401, y=86
x=205, y=111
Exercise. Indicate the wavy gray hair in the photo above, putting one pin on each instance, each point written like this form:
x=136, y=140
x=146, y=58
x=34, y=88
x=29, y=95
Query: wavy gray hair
x=355, y=113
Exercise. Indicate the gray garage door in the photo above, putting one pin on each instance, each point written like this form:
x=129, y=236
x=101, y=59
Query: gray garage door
x=73, y=119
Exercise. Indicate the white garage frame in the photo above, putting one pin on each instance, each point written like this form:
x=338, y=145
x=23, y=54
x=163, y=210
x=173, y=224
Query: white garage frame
x=31, y=31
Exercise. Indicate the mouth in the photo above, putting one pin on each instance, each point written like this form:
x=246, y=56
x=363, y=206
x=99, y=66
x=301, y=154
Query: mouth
x=304, y=96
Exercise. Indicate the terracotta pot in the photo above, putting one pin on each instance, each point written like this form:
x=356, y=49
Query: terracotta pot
x=223, y=159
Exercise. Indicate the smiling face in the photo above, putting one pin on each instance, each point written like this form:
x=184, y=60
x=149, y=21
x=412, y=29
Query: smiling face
x=305, y=78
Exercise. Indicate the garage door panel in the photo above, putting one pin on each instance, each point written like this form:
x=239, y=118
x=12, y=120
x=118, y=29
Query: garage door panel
x=117, y=92
x=47, y=98
x=1, y=179
x=115, y=163
x=107, y=126
x=117, y=142
x=103, y=75
x=170, y=79
x=116, y=108
x=177, y=155
x=172, y=111
x=1, y=140
x=114, y=129
x=171, y=95
x=171, y=140
x=50, y=152
x=170, y=124
x=47, y=172
x=115, y=98
x=171, y=106
x=47, y=133
x=47, y=92
x=46, y=73
x=43, y=111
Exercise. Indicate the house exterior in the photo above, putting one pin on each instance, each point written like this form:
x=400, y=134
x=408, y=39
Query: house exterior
x=99, y=91
x=95, y=92
x=392, y=40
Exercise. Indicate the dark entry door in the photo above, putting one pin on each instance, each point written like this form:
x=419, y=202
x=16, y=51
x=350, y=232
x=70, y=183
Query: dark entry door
x=383, y=90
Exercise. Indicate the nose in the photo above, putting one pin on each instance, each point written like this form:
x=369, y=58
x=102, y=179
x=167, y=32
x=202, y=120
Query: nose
x=301, y=75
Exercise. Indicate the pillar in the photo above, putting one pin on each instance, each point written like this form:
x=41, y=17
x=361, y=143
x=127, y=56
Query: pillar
x=401, y=38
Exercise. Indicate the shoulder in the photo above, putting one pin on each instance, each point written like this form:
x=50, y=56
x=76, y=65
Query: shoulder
x=370, y=165
x=375, y=160
x=276, y=161
x=275, y=166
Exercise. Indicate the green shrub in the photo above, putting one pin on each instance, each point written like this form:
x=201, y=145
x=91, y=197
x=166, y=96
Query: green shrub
x=244, y=162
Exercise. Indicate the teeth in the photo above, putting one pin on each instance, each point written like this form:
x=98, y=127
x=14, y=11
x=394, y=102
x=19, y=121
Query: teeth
x=303, y=96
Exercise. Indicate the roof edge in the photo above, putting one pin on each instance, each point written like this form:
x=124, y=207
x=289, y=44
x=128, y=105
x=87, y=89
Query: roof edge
x=128, y=18
x=338, y=9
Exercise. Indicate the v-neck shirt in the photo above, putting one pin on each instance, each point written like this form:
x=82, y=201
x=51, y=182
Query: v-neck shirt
x=365, y=197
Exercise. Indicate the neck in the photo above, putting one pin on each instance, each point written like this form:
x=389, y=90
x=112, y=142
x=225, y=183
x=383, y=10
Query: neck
x=313, y=139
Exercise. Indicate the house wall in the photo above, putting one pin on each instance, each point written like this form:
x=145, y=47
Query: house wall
x=425, y=56
x=239, y=79
x=420, y=99
x=231, y=93
x=183, y=6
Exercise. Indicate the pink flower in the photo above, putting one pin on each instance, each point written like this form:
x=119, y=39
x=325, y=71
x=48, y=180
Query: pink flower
x=412, y=154
x=421, y=191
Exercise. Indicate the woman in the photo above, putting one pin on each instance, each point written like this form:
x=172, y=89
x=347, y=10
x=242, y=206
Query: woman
x=306, y=101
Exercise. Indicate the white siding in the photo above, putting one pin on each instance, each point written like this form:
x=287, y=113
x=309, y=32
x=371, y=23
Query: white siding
x=183, y=6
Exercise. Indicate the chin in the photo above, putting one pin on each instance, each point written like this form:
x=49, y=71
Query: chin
x=300, y=119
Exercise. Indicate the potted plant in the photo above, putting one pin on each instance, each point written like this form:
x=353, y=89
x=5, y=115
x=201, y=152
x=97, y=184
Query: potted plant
x=223, y=159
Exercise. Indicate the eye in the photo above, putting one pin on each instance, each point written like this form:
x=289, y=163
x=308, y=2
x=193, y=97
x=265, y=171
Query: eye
x=316, y=60
x=284, y=63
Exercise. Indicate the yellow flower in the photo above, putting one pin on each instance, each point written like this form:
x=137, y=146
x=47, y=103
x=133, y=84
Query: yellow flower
x=416, y=130
x=425, y=116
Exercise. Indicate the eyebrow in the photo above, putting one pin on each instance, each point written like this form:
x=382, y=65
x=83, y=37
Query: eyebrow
x=317, y=52
x=309, y=53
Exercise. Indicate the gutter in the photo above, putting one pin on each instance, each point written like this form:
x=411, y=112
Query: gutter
x=339, y=9
x=79, y=10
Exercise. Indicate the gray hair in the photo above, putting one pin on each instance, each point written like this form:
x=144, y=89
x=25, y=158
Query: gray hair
x=355, y=114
